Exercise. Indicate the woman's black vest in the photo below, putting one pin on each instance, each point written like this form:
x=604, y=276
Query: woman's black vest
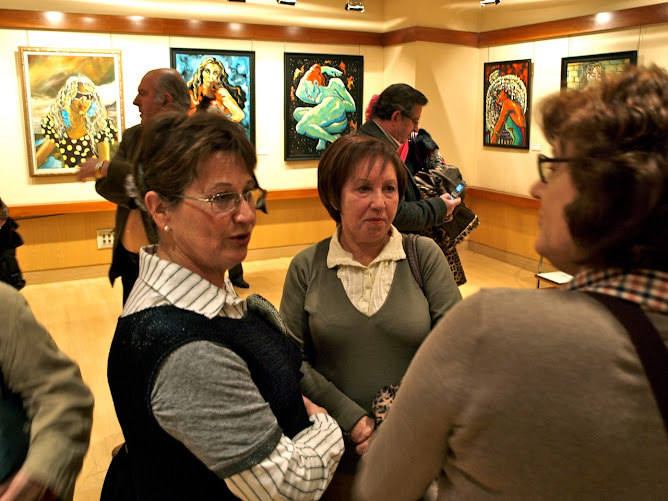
x=162, y=467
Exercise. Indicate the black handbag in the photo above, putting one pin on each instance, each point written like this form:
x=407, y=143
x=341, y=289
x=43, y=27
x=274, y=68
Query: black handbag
x=14, y=432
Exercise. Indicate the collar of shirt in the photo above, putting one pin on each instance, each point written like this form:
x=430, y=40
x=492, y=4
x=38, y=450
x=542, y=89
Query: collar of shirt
x=162, y=282
x=338, y=256
x=648, y=288
x=389, y=136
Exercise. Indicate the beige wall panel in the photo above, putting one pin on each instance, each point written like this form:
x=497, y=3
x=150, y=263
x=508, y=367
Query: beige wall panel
x=140, y=53
x=64, y=241
x=445, y=76
x=400, y=64
x=600, y=43
x=374, y=75
x=14, y=166
x=653, y=43
x=504, y=227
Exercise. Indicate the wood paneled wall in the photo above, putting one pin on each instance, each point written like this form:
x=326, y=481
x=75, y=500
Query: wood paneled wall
x=69, y=241
x=508, y=224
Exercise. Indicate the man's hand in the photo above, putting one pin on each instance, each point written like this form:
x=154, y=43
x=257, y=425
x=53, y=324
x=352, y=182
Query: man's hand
x=87, y=169
x=450, y=202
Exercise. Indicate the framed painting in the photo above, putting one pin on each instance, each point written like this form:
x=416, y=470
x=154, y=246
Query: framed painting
x=507, y=108
x=323, y=98
x=580, y=71
x=73, y=107
x=220, y=80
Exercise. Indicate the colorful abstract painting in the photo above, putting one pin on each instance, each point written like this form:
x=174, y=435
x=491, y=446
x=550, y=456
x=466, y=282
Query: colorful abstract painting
x=222, y=79
x=323, y=96
x=579, y=72
x=507, y=108
x=73, y=107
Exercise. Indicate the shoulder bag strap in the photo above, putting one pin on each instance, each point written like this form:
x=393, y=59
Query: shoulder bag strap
x=647, y=342
x=410, y=247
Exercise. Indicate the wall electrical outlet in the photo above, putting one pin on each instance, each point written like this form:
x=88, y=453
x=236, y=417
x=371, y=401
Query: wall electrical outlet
x=105, y=238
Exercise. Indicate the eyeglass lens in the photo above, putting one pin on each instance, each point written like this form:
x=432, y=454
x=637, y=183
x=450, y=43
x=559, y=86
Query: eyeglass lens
x=81, y=95
x=225, y=202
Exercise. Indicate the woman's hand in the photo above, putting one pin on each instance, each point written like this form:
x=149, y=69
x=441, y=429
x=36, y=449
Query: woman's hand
x=21, y=487
x=312, y=408
x=361, y=434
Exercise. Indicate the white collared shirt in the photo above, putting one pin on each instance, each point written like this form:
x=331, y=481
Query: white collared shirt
x=367, y=287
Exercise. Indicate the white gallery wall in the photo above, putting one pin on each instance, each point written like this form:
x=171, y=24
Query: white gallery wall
x=450, y=76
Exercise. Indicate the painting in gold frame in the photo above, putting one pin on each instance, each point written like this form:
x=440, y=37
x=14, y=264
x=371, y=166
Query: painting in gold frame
x=73, y=107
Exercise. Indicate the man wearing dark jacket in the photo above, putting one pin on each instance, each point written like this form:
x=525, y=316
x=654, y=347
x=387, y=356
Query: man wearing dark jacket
x=159, y=91
x=395, y=115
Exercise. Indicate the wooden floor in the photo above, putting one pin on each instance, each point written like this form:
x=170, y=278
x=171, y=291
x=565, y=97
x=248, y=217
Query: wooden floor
x=81, y=316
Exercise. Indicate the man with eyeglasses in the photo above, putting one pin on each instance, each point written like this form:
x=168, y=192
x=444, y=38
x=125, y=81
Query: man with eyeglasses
x=160, y=90
x=395, y=115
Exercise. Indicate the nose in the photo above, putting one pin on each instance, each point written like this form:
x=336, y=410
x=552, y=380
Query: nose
x=536, y=189
x=136, y=101
x=245, y=212
x=377, y=198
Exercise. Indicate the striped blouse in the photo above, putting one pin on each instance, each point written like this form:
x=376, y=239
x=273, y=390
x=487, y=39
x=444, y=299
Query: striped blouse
x=185, y=393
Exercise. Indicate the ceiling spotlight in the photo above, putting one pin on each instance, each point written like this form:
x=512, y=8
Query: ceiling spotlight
x=287, y=2
x=487, y=2
x=355, y=5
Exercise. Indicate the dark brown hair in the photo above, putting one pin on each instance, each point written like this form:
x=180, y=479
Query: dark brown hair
x=342, y=158
x=174, y=145
x=397, y=97
x=618, y=131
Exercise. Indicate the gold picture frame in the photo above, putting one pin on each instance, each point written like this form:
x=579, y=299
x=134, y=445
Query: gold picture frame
x=73, y=107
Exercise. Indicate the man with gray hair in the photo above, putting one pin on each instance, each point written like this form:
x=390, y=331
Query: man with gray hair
x=395, y=115
x=159, y=91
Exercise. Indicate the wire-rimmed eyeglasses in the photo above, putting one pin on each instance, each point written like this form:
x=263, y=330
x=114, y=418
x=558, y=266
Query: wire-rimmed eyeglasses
x=416, y=121
x=228, y=201
x=547, y=171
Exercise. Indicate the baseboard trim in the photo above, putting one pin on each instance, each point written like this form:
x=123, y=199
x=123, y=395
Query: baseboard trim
x=275, y=252
x=65, y=274
x=102, y=270
x=508, y=257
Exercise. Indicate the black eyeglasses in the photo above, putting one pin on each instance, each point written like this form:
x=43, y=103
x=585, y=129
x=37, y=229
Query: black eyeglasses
x=82, y=95
x=547, y=171
x=416, y=121
x=229, y=201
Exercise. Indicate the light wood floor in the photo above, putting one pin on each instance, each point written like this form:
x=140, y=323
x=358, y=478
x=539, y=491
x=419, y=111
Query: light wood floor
x=81, y=316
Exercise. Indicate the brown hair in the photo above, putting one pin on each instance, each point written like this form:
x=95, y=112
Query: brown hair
x=4, y=211
x=618, y=131
x=340, y=160
x=174, y=145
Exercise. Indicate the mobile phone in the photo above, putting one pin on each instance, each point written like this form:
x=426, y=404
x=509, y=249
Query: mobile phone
x=458, y=189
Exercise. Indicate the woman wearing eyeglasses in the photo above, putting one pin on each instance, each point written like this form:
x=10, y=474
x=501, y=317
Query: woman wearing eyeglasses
x=206, y=384
x=541, y=394
x=76, y=127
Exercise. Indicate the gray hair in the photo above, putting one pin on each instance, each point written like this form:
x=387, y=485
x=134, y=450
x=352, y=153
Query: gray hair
x=172, y=83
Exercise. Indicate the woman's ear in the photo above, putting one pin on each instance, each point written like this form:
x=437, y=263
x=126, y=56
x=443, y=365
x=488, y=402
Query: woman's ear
x=157, y=208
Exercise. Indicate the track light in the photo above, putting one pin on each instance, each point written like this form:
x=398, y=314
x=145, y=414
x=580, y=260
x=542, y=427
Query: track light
x=236, y=0
x=355, y=5
x=287, y=2
x=486, y=2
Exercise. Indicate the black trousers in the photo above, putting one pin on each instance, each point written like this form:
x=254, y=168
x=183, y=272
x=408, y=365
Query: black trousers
x=128, y=263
